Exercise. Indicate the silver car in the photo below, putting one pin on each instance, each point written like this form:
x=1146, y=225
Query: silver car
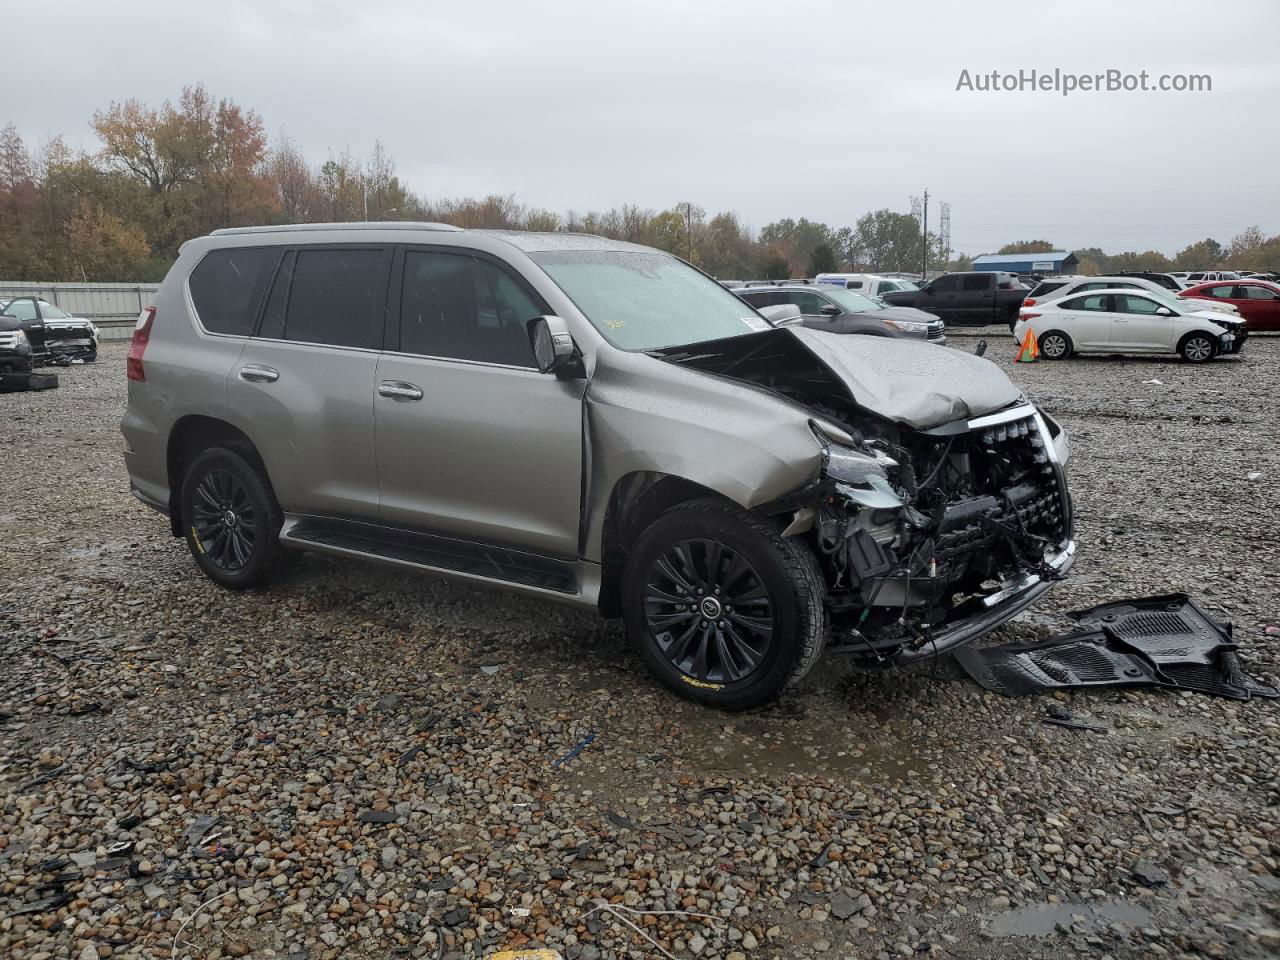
x=597, y=423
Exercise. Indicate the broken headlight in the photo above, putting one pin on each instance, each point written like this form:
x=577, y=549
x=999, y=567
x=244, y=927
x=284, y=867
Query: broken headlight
x=860, y=472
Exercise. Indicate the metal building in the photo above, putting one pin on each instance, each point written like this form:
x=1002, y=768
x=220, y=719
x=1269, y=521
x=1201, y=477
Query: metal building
x=1055, y=261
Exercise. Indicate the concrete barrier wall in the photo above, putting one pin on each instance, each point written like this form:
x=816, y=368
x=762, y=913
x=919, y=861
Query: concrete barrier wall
x=114, y=307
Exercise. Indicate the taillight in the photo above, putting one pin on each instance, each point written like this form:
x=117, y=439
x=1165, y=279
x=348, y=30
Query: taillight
x=1028, y=302
x=138, y=346
x=1028, y=316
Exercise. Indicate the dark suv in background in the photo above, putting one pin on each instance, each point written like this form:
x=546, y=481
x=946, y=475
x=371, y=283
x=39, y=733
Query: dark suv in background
x=831, y=308
x=55, y=336
x=980, y=297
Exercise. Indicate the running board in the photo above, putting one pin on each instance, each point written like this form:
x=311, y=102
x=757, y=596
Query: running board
x=424, y=551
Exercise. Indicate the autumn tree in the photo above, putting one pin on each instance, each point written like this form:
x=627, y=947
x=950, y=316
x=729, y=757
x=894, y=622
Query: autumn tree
x=1028, y=246
x=822, y=260
x=1202, y=255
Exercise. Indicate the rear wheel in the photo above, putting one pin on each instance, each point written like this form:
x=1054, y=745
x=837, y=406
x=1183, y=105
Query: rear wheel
x=1198, y=348
x=230, y=519
x=1055, y=345
x=723, y=609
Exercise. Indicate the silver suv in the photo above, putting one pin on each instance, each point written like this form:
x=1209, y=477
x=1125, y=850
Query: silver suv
x=597, y=423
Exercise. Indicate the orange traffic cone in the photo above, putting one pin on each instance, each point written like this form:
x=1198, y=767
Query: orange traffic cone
x=1029, y=351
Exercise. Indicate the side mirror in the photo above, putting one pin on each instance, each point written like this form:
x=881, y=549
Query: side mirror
x=830, y=310
x=1164, y=312
x=552, y=343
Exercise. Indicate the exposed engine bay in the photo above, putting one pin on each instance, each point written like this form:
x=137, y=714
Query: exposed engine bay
x=925, y=533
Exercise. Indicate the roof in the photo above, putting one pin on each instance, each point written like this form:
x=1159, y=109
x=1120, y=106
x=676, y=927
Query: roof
x=524, y=240
x=544, y=242
x=997, y=259
x=357, y=225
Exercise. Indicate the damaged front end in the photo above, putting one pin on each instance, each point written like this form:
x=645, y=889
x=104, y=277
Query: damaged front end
x=930, y=534
x=932, y=538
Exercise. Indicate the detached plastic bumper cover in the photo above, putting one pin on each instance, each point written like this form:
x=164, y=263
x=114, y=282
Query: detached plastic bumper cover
x=991, y=611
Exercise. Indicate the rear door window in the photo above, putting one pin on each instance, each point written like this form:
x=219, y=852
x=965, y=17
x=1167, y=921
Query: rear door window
x=1046, y=287
x=227, y=286
x=337, y=297
x=976, y=281
x=1098, y=301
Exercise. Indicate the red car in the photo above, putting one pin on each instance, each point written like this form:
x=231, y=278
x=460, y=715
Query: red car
x=1258, y=300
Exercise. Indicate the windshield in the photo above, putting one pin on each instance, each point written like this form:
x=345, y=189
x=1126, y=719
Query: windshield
x=50, y=312
x=852, y=301
x=643, y=301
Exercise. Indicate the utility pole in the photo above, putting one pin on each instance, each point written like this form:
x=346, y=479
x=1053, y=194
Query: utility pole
x=688, y=231
x=924, y=240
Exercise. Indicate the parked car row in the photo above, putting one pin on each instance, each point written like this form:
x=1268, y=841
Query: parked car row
x=36, y=333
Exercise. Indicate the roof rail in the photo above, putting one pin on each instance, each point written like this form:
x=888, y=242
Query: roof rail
x=326, y=227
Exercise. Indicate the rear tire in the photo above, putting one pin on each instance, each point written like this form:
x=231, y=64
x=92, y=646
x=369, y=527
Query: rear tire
x=1198, y=347
x=1056, y=345
x=697, y=644
x=230, y=519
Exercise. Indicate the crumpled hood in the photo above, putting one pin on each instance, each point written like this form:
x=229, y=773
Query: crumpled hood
x=912, y=382
x=918, y=384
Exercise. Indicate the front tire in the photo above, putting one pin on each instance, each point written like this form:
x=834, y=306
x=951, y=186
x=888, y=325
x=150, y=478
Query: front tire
x=1055, y=345
x=1198, y=348
x=230, y=519
x=723, y=610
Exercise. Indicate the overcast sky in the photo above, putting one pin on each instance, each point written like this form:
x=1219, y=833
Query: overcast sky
x=770, y=109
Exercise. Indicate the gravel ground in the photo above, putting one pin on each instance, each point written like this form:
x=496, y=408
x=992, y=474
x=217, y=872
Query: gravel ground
x=360, y=763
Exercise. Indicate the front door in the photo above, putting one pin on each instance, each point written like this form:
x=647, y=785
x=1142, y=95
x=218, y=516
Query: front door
x=472, y=441
x=941, y=297
x=24, y=308
x=1259, y=305
x=1138, y=325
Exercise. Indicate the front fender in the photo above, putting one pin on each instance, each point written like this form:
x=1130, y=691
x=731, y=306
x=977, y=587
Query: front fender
x=647, y=415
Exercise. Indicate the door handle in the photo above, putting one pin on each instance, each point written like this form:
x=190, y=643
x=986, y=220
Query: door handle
x=258, y=373
x=399, y=390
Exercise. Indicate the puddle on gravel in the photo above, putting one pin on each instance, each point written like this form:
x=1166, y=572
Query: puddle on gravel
x=1041, y=920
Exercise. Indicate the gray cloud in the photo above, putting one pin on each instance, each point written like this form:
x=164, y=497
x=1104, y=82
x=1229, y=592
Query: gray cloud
x=824, y=111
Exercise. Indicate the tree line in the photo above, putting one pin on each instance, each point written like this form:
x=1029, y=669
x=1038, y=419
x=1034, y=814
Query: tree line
x=1249, y=249
x=161, y=175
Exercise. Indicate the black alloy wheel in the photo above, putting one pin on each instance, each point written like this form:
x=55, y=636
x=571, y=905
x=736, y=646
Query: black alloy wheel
x=223, y=520
x=230, y=518
x=722, y=608
x=709, y=611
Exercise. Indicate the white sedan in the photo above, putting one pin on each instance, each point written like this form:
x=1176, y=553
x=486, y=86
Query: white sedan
x=1128, y=321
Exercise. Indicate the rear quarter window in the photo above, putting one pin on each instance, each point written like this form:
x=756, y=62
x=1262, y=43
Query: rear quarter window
x=227, y=286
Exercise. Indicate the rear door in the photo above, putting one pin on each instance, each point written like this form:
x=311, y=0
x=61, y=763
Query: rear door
x=305, y=384
x=1138, y=325
x=472, y=441
x=1087, y=320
